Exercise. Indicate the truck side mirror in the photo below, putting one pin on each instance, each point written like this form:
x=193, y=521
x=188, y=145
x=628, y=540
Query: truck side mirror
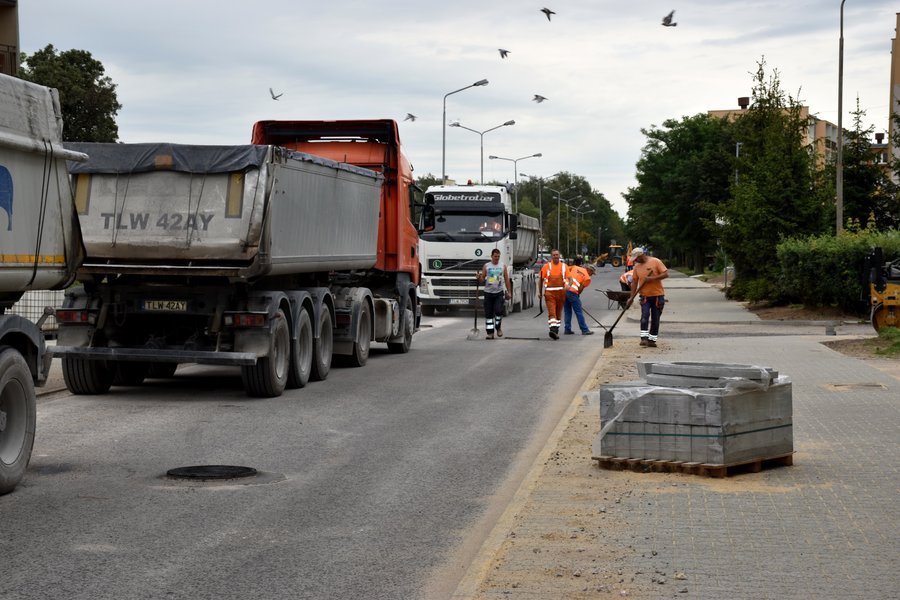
x=427, y=223
x=513, y=223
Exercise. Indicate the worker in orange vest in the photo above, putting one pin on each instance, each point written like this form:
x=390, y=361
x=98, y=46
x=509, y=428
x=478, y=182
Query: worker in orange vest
x=552, y=285
x=579, y=278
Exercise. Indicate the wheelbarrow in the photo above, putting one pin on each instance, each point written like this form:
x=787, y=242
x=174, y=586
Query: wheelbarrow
x=616, y=297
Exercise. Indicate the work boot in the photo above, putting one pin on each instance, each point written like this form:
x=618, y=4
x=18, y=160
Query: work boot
x=489, y=336
x=651, y=344
x=499, y=332
x=644, y=341
x=569, y=332
x=554, y=333
x=588, y=332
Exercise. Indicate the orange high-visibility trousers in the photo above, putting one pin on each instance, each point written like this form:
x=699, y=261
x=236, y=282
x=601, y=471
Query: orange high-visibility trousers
x=555, y=301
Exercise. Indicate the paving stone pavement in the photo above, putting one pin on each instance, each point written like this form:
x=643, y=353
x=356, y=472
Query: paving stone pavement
x=826, y=527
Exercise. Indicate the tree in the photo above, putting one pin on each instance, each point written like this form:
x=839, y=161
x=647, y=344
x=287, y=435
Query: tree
x=87, y=96
x=683, y=174
x=773, y=196
x=867, y=190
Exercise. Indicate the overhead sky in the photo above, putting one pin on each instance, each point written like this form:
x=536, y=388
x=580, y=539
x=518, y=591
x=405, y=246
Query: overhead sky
x=199, y=71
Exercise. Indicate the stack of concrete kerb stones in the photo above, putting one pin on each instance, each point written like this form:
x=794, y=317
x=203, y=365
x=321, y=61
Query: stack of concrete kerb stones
x=704, y=418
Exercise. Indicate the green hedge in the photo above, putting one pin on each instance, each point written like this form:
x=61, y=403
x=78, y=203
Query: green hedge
x=826, y=270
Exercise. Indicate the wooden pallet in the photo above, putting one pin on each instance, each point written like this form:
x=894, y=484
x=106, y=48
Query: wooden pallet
x=641, y=465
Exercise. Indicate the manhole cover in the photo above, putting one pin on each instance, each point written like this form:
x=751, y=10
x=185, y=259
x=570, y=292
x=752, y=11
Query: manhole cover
x=211, y=472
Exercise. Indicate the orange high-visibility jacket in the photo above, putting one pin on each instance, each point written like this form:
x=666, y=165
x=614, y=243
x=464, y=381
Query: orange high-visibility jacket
x=578, y=280
x=554, y=276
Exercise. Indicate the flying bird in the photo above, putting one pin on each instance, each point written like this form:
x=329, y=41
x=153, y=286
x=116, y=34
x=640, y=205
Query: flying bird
x=667, y=20
x=538, y=98
x=410, y=117
x=503, y=52
x=274, y=95
x=547, y=12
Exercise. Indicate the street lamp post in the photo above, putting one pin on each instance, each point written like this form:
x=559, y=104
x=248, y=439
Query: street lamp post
x=540, y=200
x=839, y=167
x=515, y=162
x=558, y=211
x=578, y=212
x=568, y=208
x=444, y=127
x=600, y=230
x=481, y=135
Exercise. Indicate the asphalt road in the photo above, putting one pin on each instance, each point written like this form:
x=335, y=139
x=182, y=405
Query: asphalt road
x=377, y=483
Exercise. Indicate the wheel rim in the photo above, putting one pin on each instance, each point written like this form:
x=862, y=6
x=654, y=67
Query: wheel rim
x=281, y=348
x=326, y=339
x=13, y=407
x=304, y=341
x=364, y=329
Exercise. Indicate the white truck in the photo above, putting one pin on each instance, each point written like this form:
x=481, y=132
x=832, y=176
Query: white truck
x=470, y=221
x=40, y=248
x=261, y=256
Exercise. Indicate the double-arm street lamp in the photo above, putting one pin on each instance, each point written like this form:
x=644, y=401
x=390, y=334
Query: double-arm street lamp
x=567, y=202
x=515, y=162
x=558, y=210
x=578, y=211
x=540, y=199
x=444, y=127
x=481, y=134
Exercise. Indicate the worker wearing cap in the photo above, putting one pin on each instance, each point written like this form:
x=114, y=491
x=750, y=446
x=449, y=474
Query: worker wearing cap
x=579, y=278
x=649, y=272
x=552, y=284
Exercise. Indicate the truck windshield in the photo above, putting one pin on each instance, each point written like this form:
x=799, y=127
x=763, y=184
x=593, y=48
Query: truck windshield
x=457, y=227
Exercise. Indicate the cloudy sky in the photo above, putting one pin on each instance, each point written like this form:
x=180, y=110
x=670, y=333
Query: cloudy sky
x=199, y=71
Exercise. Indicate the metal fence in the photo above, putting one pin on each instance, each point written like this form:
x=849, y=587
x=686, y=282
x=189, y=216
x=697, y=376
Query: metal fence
x=31, y=306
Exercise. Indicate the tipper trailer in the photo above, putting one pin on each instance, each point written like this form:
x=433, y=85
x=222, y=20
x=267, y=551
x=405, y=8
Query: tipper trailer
x=261, y=256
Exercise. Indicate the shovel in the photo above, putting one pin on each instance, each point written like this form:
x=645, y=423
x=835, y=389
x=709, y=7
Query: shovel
x=608, y=336
x=475, y=334
x=540, y=306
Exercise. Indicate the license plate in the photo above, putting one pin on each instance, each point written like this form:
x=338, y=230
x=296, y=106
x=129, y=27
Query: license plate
x=166, y=305
x=458, y=301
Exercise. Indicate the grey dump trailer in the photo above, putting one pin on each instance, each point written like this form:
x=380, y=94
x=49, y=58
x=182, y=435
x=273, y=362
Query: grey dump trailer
x=255, y=256
x=40, y=248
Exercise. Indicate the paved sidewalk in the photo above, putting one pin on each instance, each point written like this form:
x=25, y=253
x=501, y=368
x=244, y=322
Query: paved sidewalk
x=826, y=527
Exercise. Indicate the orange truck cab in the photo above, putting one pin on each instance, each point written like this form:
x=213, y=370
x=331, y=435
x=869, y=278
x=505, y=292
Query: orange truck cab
x=372, y=144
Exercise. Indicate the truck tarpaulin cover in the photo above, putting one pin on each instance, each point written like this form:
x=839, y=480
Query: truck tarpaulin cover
x=142, y=158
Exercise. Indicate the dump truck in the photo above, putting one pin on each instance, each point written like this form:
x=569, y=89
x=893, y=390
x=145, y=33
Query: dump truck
x=470, y=221
x=40, y=248
x=262, y=256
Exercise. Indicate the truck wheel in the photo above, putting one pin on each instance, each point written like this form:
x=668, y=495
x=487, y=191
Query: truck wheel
x=86, y=377
x=616, y=262
x=323, y=347
x=129, y=373
x=268, y=377
x=161, y=370
x=17, y=418
x=408, y=326
x=360, y=353
x=301, y=353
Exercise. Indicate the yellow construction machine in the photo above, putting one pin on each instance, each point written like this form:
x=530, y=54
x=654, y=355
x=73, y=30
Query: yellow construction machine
x=615, y=256
x=883, y=280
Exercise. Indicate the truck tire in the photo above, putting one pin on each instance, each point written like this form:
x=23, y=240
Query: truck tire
x=360, y=353
x=616, y=262
x=86, y=377
x=323, y=347
x=301, y=352
x=129, y=373
x=18, y=415
x=268, y=377
x=408, y=326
